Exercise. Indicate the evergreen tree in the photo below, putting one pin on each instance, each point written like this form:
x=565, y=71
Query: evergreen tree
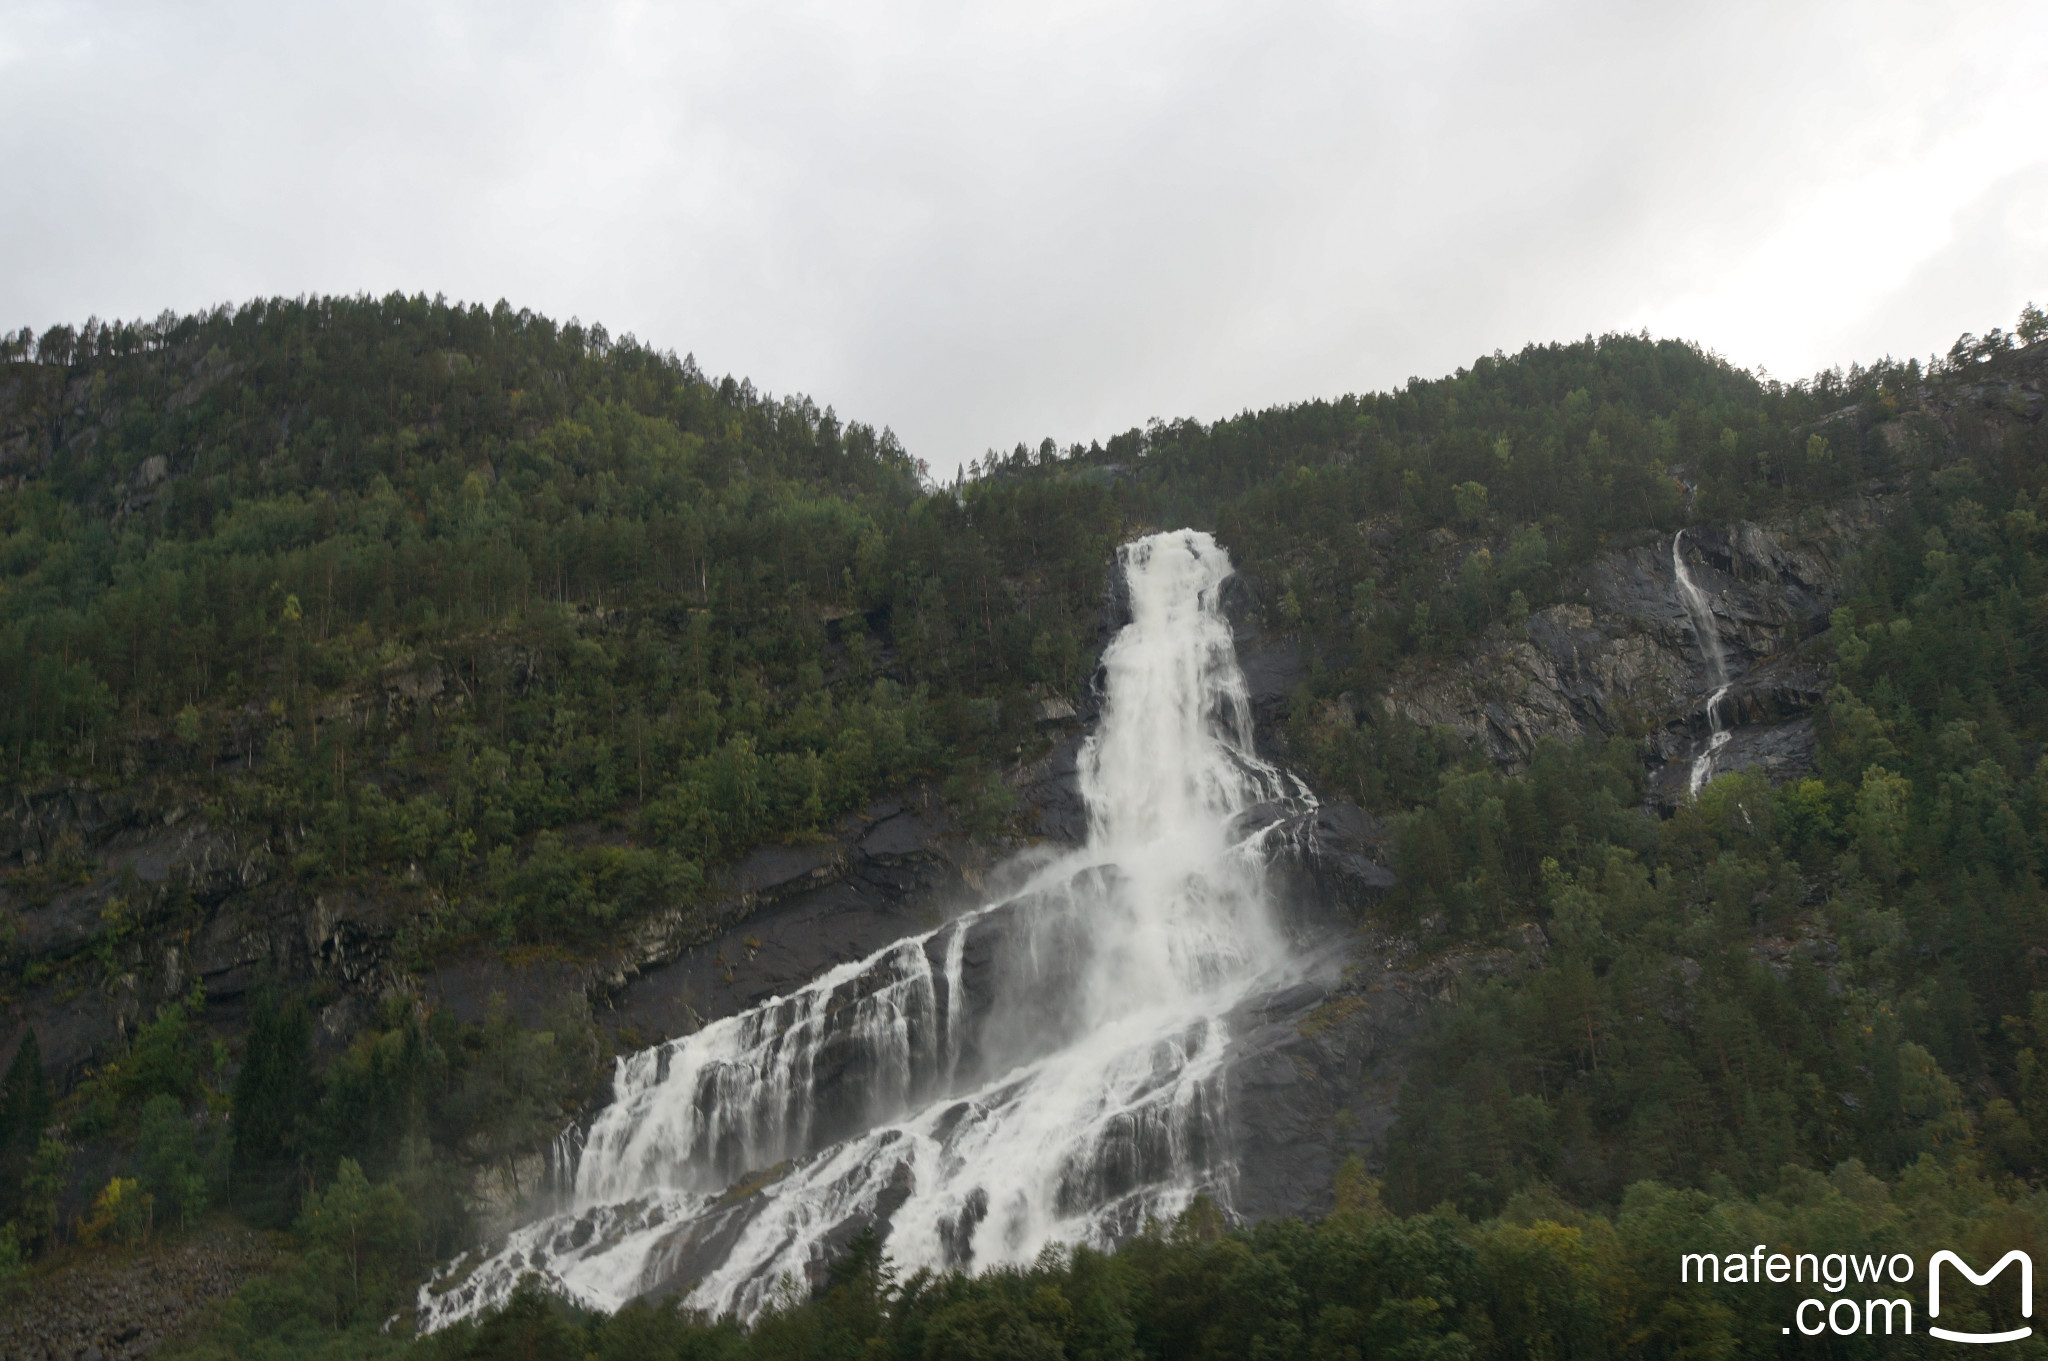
x=274, y=1095
x=25, y=1108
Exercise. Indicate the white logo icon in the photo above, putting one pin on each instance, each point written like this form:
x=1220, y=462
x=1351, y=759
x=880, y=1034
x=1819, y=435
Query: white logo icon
x=1934, y=1294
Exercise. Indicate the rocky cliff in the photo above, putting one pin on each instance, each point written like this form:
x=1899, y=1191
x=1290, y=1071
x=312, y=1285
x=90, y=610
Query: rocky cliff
x=1624, y=658
x=144, y=895
x=123, y=897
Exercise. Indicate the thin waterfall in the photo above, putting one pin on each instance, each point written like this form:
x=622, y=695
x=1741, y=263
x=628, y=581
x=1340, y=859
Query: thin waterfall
x=1043, y=1069
x=1700, y=610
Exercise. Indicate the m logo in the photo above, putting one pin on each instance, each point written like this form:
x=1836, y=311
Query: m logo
x=1934, y=1294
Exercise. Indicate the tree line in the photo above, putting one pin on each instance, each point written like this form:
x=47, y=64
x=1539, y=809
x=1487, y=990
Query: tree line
x=525, y=630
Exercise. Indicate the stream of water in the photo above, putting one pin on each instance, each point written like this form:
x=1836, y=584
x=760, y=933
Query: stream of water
x=1700, y=610
x=1043, y=1069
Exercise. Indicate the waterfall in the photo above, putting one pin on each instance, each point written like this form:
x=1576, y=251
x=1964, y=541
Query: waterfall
x=1042, y=1069
x=1702, y=616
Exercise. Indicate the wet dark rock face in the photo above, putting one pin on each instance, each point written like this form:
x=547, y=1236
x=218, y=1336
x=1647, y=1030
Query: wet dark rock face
x=141, y=897
x=1316, y=1064
x=1313, y=1074
x=140, y=878
x=1624, y=659
x=903, y=866
x=797, y=911
x=1329, y=866
x=1272, y=662
x=1310, y=1077
x=1316, y=1067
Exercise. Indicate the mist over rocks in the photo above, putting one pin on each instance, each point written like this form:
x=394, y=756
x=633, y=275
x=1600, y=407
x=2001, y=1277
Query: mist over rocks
x=888, y=873
x=517, y=819
x=1312, y=1070
x=1051, y=1062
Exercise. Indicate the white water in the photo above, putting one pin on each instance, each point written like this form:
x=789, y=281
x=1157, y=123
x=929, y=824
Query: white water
x=1702, y=615
x=1062, y=1088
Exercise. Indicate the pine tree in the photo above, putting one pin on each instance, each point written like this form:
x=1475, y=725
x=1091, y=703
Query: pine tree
x=25, y=1108
x=273, y=1096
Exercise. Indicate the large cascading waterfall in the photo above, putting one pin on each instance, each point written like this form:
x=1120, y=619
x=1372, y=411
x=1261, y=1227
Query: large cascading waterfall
x=1042, y=1069
x=1701, y=612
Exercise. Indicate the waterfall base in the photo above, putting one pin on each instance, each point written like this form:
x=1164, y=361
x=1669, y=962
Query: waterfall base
x=1304, y=1074
x=1053, y=1067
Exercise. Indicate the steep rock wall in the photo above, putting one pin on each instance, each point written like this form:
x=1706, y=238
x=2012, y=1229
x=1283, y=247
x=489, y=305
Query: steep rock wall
x=1624, y=658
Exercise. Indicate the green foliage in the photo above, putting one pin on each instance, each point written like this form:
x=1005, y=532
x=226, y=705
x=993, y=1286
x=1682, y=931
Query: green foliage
x=163, y=1059
x=121, y=1213
x=524, y=628
x=362, y=1246
x=25, y=1111
x=2033, y=325
x=480, y=612
x=1838, y=967
x=982, y=801
x=1546, y=457
x=42, y=1190
x=173, y=1166
x=1539, y=1280
x=1470, y=500
x=13, y=1265
x=509, y=1094
x=524, y=631
x=557, y=891
x=271, y=1108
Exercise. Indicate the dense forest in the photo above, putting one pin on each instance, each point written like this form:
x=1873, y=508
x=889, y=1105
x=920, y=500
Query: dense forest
x=684, y=618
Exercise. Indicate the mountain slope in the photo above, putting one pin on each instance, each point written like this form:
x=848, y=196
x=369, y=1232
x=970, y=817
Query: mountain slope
x=373, y=657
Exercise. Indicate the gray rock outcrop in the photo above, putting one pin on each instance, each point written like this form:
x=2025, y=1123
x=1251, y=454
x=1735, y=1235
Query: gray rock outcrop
x=1623, y=659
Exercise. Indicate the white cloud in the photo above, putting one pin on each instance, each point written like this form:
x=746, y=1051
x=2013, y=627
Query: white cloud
x=983, y=224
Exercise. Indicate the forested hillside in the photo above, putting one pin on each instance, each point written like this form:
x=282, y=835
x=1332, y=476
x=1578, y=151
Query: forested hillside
x=523, y=633
x=671, y=606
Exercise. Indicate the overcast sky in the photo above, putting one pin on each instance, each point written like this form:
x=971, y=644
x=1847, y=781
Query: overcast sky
x=993, y=222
